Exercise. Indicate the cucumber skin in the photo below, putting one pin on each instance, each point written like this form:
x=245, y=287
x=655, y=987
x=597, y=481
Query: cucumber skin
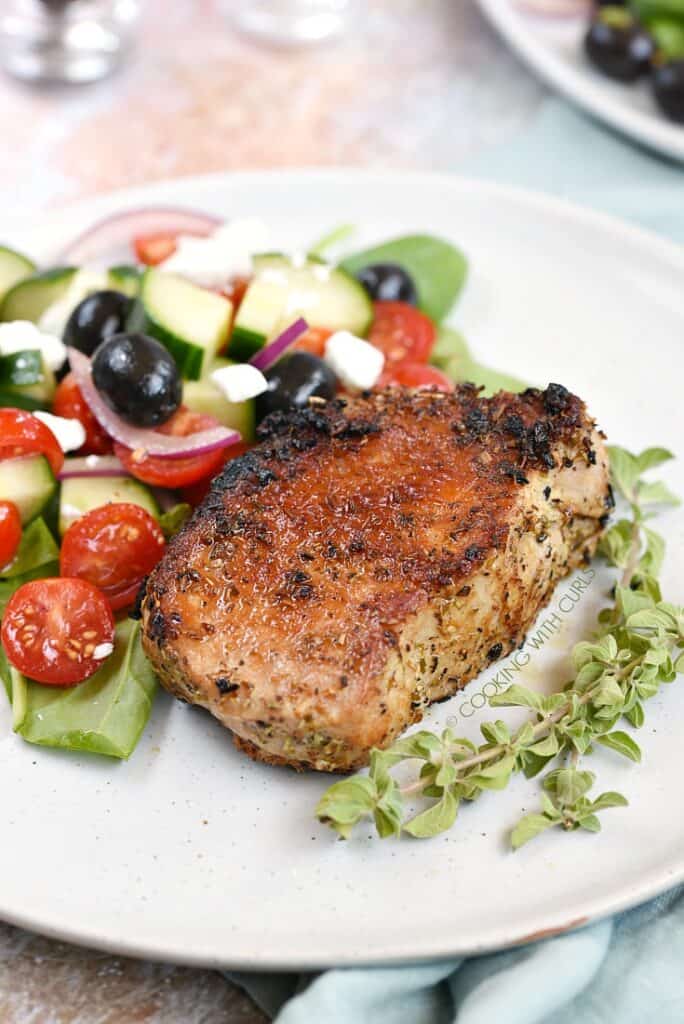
x=244, y=344
x=30, y=507
x=55, y=282
x=123, y=487
x=22, y=267
x=188, y=358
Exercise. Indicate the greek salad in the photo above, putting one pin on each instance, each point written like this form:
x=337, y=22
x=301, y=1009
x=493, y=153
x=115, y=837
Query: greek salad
x=125, y=388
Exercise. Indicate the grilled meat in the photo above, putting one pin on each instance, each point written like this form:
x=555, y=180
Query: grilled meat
x=370, y=557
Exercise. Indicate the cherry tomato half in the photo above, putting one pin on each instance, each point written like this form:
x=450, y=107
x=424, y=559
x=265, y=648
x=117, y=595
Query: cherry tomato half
x=10, y=532
x=195, y=494
x=69, y=402
x=161, y=472
x=402, y=332
x=23, y=434
x=154, y=249
x=113, y=547
x=415, y=375
x=312, y=341
x=53, y=629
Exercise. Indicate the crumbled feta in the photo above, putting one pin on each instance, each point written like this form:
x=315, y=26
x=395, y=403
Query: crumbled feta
x=356, y=363
x=20, y=335
x=224, y=254
x=84, y=283
x=102, y=651
x=69, y=433
x=241, y=382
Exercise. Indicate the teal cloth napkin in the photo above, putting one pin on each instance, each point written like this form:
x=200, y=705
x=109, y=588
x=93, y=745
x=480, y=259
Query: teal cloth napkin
x=620, y=971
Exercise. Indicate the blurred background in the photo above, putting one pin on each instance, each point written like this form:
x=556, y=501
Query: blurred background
x=199, y=86
x=412, y=83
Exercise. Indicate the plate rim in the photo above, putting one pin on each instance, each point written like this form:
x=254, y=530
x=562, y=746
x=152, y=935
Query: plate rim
x=653, y=132
x=171, y=951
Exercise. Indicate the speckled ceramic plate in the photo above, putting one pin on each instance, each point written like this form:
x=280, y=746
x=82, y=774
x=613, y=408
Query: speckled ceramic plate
x=553, y=48
x=190, y=851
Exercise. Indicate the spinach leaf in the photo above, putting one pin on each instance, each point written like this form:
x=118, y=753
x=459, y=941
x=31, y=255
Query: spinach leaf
x=452, y=356
x=438, y=269
x=37, y=557
x=5, y=676
x=104, y=715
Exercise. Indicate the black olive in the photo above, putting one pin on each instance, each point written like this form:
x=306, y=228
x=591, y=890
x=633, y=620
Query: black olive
x=618, y=45
x=388, y=282
x=668, y=88
x=292, y=381
x=98, y=317
x=137, y=378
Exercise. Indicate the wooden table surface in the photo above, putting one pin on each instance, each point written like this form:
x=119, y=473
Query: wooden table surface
x=417, y=84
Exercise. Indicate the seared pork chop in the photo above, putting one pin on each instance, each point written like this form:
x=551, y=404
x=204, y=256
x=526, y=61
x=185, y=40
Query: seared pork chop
x=370, y=557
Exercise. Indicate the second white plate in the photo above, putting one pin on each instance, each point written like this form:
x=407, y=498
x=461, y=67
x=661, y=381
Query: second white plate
x=553, y=48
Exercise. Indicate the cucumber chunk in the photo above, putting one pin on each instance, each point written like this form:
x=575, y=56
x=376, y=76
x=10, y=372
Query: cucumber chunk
x=28, y=482
x=29, y=299
x=203, y=396
x=125, y=279
x=26, y=381
x=82, y=494
x=13, y=267
x=284, y=288
x=190, y=321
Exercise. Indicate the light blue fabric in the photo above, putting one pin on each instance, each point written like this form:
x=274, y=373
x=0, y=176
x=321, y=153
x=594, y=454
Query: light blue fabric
x=623, y=971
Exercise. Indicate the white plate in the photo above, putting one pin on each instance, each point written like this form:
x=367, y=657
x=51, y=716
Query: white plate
x=193, y=853
x=553, y=48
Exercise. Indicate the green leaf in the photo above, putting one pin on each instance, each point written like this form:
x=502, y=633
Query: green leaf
x=569, y=784
x=389, y=810
x=438, y=818
x=438, y=269
x=629, y=601
x=622, y=743
x=5, y=674
x=657, y=493
x=590, y=822
x=548, y=747
x=19, y=698
x=104, y=715
x=496, y=732
x=517, y=697
x=652, y=457
x=175, y=519
x=332, y=238
x=447, y=773
x=635, y=716
x=496, y=775
x=344, y=803
x=652, y=559
x=624, y=469
x=528, y=828
x=451, y=354
x=609, y=694
x=609, y=799
x=615, y=543
x=21, y=369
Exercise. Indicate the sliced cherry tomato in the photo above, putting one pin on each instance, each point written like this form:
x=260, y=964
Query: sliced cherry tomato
x=195, y=494
x=113, y=547
x=69, y=402
x=23, y=434
x=312, y=341
x=402, y=332
x=154, y=249
x=54, y=630
x=10, y=532
x=415, y=375
x=161, y=472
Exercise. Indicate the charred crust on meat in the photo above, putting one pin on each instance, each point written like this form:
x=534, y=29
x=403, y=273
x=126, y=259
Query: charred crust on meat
x=136, y=611
x=609, y=500
x=547, y=492
x=494, y=652
x=224, y=686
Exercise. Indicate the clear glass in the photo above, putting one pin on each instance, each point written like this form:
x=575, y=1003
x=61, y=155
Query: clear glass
x=64, y=40
x=291, y=22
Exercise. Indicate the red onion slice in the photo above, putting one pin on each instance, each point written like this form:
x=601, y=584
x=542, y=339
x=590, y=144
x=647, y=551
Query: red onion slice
x=111, y=237
x=271, y=353
x=92, y=465
x=149, y=442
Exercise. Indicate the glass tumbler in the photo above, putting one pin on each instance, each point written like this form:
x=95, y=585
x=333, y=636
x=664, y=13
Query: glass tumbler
x=291, y=22
x=64, y=40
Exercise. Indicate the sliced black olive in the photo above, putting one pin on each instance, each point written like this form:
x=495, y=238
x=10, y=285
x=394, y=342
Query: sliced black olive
x=293, y=381
x=388, y=282
x=668, y=88
x=95, y=319
x=618, y=45
x=138, y=379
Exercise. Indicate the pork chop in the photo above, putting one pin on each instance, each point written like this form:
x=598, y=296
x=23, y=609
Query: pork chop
x=370, y=557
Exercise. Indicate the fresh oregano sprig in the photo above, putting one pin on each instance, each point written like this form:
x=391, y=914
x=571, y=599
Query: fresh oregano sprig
x=638, y=647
